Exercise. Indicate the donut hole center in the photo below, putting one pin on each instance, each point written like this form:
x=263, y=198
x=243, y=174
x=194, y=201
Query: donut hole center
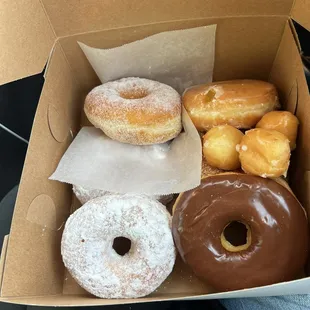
x=121, y=245
x=134, y=94
x=236, y=236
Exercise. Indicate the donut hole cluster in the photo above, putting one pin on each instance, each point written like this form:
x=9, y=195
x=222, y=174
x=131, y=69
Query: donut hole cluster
x=121, y=245
x=134, y=93
x=236, y=236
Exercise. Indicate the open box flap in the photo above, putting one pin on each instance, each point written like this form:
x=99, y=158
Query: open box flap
x=301, y=13
x=26, y=39
x=72, y=17
x=29, y=28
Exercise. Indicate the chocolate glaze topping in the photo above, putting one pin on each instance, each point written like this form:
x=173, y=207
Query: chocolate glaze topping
x=278, y=224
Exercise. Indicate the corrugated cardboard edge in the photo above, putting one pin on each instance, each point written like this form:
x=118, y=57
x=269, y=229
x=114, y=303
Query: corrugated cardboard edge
x=2, y=258
x=301, y=13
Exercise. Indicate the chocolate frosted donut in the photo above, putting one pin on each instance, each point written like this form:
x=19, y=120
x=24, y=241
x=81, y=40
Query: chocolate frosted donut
x=275, y=231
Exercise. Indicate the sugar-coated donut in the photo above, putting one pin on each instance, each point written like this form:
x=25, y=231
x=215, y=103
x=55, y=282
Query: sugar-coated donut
x=239, y=231
x=239, y=103
x=282, y=121
x=264, y=152
x=219, y=147
x=91, y=233
x=135, y=110
x=84, y=194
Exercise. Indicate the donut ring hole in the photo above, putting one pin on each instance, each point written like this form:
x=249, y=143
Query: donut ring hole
x=236, y=236
x=134, y=94
x=121, y=245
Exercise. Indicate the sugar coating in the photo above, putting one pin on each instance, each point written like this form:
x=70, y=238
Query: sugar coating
x=159, y=97
x=135, y=110
x=87, y=241
x=84, y=194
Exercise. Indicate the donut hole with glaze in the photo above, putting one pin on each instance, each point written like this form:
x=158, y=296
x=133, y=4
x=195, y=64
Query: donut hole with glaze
x=121, y=245
x=236, y=236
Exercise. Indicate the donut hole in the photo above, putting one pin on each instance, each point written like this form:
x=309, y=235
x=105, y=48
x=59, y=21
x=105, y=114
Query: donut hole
x=236, y=236
x=121, y=245
x=134, y=94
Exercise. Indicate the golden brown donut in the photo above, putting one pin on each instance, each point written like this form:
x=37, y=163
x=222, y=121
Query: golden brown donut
x=219, y=147
x=282, y=121
x=239, y=231
x=135, y=110
x=239, y=103
x=264, y=152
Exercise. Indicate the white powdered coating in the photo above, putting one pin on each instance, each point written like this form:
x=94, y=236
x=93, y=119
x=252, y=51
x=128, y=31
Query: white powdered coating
x=84, y=194
x=159, y=97
x=87, y=251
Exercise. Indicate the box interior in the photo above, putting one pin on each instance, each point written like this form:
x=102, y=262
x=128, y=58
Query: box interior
x=258, y=47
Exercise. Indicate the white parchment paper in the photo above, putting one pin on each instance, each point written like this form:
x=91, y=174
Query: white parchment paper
x=179, y=58
x=95, y=161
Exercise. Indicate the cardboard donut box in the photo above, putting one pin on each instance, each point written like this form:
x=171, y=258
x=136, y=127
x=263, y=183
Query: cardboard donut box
x=254, y=39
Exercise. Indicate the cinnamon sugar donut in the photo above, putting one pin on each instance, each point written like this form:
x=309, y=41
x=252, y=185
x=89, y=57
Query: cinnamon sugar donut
x=135, y=110
x=84, y=194
x=89, y=250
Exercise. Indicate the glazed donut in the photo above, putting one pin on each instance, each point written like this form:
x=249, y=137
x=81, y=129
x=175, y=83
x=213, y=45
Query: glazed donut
x=89, y=250
x=135, y=110
x=239, y=103
x=264, y=152
x=219, y=147
x=282, y=121
x=274, y=241
x=84, y=194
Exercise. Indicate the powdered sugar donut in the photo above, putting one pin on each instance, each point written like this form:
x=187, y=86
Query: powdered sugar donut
x=91, y=232
x=84, y=194
x=135, y=110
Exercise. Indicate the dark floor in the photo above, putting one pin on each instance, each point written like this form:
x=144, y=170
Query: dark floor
x=18, y=101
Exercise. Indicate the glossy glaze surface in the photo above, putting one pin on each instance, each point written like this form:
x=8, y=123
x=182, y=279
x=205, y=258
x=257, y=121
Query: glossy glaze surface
x=279, y=229
x=239, y=103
